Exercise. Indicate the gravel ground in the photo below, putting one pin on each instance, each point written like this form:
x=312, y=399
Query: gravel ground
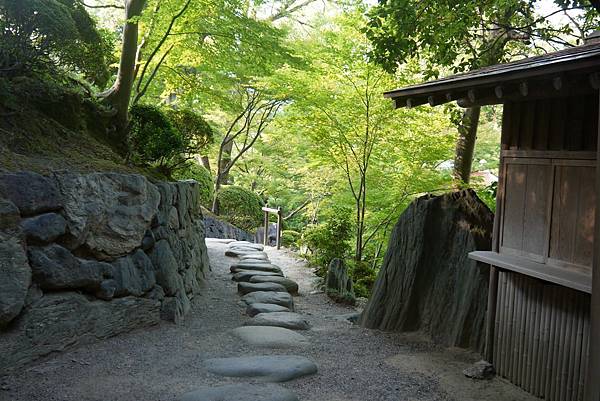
x=163, y=362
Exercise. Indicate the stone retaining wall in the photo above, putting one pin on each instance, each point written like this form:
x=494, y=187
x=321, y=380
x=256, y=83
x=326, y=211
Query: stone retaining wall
x=86, y=257
x=216, y=228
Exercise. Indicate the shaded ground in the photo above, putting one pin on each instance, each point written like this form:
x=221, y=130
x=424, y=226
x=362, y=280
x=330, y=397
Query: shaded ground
x=164, y=362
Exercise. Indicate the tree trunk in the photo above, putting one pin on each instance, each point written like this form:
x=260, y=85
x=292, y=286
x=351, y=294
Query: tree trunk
x=119, y=94
x=205, y=162
x=224, y=162
x=465, y=145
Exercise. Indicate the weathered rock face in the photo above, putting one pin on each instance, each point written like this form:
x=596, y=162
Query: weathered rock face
x=85, y=257
x=338, y=284
x=427, y=282
x=216, y=228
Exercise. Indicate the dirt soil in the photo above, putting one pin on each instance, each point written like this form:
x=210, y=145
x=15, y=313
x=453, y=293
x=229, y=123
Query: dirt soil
x=164, y=362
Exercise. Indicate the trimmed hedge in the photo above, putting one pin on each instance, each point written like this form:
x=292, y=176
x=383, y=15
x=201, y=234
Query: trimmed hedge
x=241, y=207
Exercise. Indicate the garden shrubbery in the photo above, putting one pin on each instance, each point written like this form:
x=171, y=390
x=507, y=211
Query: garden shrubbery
x=241, y=207
x=194, y=171
x=166, y=139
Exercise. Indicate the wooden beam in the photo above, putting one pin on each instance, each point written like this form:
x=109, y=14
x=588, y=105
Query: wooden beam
x=595, y=80
x=436, y=100
x=471, y=95
x=592, y=385
x=557, y=83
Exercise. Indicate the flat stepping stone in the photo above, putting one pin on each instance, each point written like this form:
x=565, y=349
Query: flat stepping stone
x=260, y=268
x=220, y=240
x=237, y=252
x=290, y=285
x=275, y=368
x=246, y=288
x=268, y=297
x=254, y=262
x=270, y=337
x=246, y=244
x=255, y=309
x=238, y=392
x=246, y=275
x=255, y=255
x=288, y=320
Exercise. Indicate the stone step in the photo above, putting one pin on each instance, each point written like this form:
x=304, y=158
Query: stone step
x=270, y=337
x=255, y=255
x=246, y=244
x=246, y=275
x=255, y=309
x=275, y=368
x=290, y=285
x=267, y=297
x=246, y=288
x=288, y=320
x=258, y=267
x=247, y=392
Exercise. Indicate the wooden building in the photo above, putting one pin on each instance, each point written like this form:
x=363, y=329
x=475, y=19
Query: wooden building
x=543, y=321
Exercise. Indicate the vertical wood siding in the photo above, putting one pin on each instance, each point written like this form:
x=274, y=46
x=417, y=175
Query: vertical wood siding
x=542, y=337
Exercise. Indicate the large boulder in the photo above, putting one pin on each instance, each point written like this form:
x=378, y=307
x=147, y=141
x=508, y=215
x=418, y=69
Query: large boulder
x=61, y=320
x=427, y=282
x=108, y=213
x=338, y=283
x=133, y=274
x=55, y=268
x=30, y=192
x=44, y=228
x=15, y=278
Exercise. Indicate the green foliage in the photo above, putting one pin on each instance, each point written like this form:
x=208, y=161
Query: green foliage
x=196, y=133
x=363, y=277
x=488, y=195
x=329, y=240
x=241, y=207
x=37, y=34
x=290, y=238
x=194, y=171
x=152, y=137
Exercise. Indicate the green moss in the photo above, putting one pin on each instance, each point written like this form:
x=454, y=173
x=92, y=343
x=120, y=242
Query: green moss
x=240, y=207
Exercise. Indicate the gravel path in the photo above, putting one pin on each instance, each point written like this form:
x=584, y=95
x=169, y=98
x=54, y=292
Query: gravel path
x=164, y=362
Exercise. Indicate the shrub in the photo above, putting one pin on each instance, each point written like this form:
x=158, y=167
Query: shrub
x=152, y=137
x=36, y=34
x=197, y=172
x=197, y=134
x=363, y=277
x=290, y=238
x=329, y=240
x=241, y=207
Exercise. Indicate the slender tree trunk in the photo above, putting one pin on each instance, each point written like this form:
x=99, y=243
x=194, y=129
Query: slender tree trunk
x=465, y=145
x=205, y=162
x=224, y=162
x=119, y=94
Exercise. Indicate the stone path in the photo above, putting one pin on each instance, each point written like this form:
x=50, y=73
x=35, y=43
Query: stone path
x=168, y=362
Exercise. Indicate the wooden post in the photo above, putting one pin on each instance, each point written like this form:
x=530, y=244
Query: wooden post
x=592, y=384
x=279, y=220
x=266, y=233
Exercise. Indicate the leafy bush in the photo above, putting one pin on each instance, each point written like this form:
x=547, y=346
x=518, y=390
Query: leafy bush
x=363, y=277
x=241, y=207
x=488, y=195
x=196, y=132
x=152, y=137
x=290, y=238
x=329, y=240
x=197, y=172
x=36, y=34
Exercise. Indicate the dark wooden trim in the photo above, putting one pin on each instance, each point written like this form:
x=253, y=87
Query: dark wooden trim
x=549, y=154
x=592, y=387
x=566, y=278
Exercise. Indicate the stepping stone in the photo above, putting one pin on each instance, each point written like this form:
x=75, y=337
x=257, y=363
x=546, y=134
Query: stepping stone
x=288, y=320
x=255, y=309
x=275, y=368
x=237, y=392
x=255, y=255
x=261, y=268
x=236, y=252
x=270, y=337
x=246, y=288
x=290, y=285
x=220, y=240
x=267, y=297
x=246, y=275
x=246, y=244
x=254, y=261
